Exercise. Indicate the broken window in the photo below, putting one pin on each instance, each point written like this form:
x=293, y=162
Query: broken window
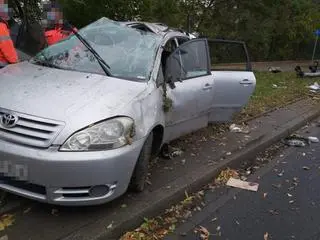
x=129, y=52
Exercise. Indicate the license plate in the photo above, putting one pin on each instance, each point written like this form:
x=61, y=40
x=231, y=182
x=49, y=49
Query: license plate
x=17, y=171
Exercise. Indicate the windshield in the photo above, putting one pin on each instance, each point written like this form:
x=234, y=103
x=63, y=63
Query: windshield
x=129, y=52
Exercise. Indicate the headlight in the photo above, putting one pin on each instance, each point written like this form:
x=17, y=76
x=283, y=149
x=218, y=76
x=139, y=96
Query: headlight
x=110, y=134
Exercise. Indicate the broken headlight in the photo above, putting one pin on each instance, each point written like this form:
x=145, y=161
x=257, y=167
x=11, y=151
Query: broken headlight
x=107, y=135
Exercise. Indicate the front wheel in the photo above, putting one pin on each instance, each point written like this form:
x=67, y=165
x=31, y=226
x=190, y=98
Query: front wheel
x=141, y=170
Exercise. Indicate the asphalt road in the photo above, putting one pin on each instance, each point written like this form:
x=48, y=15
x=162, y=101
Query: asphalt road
x=286, y=206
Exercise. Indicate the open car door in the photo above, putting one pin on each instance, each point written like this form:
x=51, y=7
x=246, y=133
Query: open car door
x=234, y=80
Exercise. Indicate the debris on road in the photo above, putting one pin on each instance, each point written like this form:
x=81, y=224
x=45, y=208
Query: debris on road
x=281, y=173
x=170, y=152
x=54, y=212
x=266, y=236
x=239, y=129
x=225, y=175
x=273, y=212
x=243, y=184
x=204, y=233
x=27, y=210
x=6, y=221
x=110, y=226
x=306, y=168
x=313, y=139
x=296, y=141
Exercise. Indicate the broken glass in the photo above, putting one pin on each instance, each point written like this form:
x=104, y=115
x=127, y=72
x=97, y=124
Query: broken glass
x=129, y=52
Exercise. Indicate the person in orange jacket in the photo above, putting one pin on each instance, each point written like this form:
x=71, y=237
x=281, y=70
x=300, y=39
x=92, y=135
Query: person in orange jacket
x=57, y=33
x=8, y=53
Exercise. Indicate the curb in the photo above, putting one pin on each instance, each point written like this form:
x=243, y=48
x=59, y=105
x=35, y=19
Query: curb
x=208, y=174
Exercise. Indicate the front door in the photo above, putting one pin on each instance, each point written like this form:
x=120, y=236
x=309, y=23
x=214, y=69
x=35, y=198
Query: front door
x=190, y=88
x=234, y=81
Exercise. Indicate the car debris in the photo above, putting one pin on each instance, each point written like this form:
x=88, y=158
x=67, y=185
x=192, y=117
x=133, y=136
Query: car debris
x=239, y=129
x=296, y=141
x=170, y=152
x=243, y=184
x=313, y=139
x=315, y=88
x=303, y=74
x=275, y=69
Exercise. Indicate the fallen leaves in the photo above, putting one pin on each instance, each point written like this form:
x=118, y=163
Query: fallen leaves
x=159, y=227
x=6, y=221
x=204, y=233
x=225, y=175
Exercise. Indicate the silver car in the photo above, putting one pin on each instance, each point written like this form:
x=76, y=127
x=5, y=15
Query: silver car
x=80, y=121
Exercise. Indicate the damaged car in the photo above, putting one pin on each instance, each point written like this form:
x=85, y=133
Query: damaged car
x=80, y=121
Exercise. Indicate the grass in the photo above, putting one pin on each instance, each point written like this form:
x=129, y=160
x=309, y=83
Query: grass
x=275, y=90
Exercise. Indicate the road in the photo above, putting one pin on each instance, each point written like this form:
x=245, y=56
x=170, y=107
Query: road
x=286, y=206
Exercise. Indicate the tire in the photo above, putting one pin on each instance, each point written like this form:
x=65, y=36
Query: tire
x=140, y=174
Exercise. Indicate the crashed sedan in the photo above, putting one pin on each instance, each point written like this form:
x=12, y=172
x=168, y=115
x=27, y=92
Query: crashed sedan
x=80, y=121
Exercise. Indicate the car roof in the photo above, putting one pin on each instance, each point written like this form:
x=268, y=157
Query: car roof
x=157, y=28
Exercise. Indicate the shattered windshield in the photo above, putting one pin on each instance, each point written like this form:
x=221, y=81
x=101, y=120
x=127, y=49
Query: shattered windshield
x=129, y=52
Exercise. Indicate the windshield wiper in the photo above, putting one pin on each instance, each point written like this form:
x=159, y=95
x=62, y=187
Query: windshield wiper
x=106, y=68
x=44, y=62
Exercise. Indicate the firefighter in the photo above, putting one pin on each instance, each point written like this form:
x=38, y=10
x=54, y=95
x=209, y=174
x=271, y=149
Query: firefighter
x=8, y=53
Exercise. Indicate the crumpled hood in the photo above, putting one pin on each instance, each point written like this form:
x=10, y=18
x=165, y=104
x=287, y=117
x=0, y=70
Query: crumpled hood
x=73, y=97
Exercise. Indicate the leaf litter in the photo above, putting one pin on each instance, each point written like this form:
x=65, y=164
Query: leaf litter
x=6, y=221
x=163, y=225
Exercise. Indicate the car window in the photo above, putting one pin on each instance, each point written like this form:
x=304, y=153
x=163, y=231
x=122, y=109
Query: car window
x=182, y=40
x=227, y=56
x=129, y=52
x=190, y=60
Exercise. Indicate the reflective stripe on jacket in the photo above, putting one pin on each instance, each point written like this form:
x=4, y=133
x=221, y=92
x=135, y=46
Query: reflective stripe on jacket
x=8, y=52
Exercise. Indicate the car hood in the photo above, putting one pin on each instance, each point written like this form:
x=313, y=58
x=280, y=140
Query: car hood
x=71, y=97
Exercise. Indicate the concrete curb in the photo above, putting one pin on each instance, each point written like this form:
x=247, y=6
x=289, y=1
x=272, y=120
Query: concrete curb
x=208, y=174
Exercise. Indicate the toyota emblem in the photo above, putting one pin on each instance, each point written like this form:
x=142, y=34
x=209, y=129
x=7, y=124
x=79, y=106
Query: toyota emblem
x=8, y=120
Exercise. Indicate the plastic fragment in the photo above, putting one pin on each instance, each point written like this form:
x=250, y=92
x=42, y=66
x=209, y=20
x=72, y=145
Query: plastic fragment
x=239, y=129
x=243, y=185
x=313, y=139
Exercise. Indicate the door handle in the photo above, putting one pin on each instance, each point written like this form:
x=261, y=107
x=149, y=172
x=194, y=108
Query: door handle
x=207, y=87
x=246, y=82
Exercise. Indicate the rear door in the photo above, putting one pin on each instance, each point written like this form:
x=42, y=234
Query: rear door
x=234, y=80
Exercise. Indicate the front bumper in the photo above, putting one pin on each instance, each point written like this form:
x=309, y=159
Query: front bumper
x=65, y=178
